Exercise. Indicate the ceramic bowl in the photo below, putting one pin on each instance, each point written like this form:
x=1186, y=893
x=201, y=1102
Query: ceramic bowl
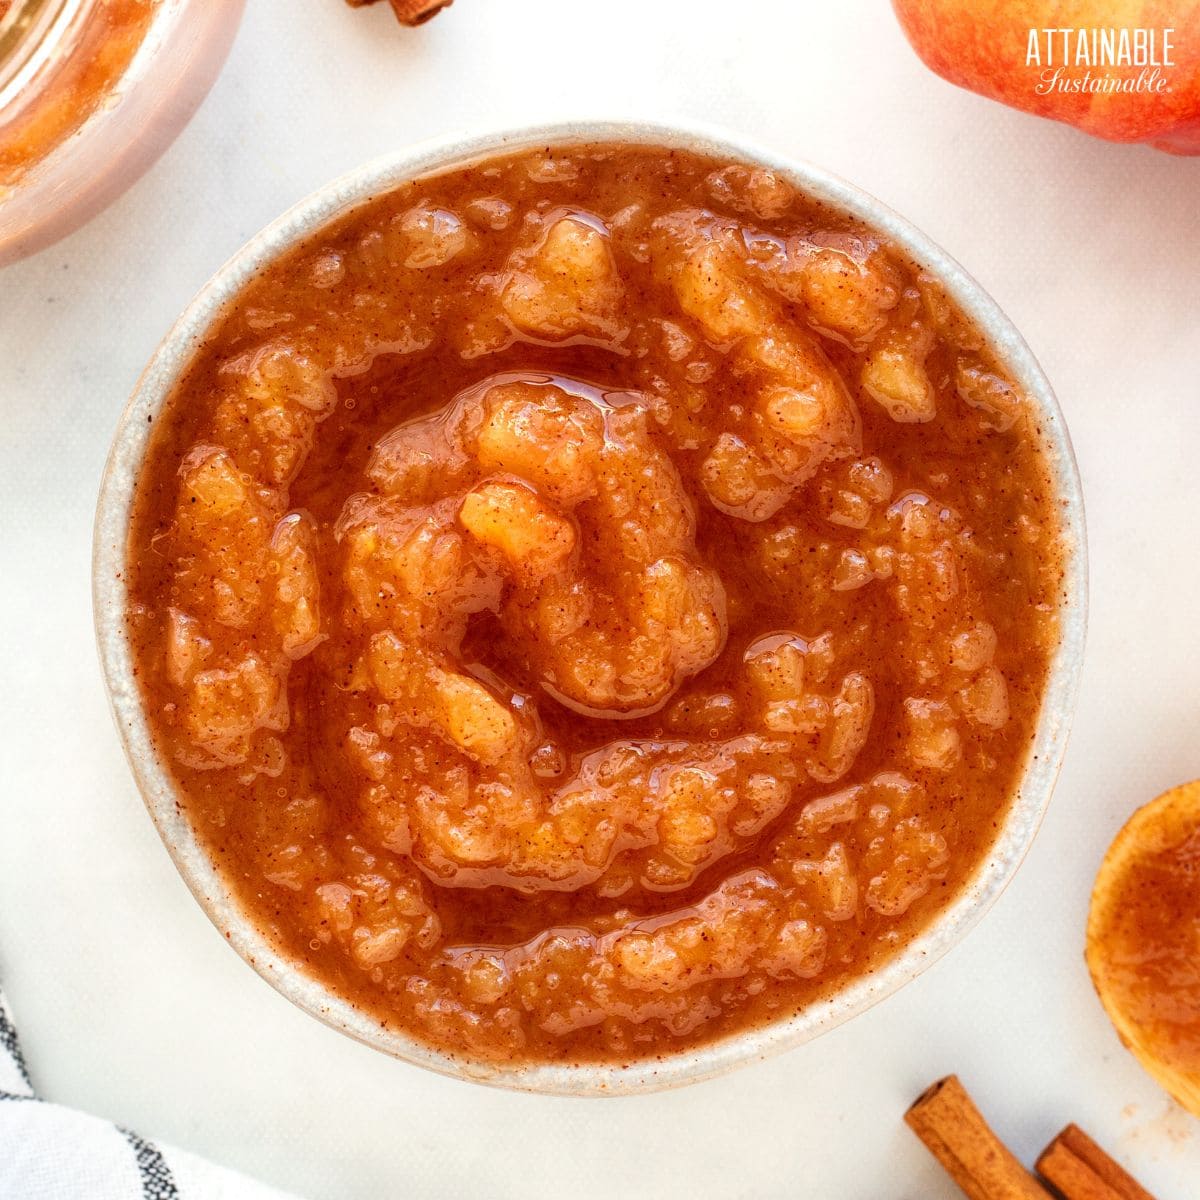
x=183, y=49
x=158, y=790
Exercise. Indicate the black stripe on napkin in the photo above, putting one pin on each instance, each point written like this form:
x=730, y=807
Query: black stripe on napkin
x=157, y=1181
x=12, y=1047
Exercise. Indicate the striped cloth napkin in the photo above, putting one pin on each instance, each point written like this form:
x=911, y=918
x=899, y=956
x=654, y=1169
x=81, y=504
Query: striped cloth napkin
x=48, y=1152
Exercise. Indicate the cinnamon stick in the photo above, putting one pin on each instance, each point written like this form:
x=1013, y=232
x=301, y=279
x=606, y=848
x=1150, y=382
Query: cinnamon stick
x=416, y=12
x=954, y=1130
x=408, y=12
x=1080, y=1170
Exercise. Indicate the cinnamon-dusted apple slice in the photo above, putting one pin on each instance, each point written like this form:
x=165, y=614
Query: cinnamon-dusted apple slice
x=1143, y=939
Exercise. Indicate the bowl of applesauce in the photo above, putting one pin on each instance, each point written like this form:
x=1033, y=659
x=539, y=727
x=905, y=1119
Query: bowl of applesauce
x=592, y=606
x=91, y=93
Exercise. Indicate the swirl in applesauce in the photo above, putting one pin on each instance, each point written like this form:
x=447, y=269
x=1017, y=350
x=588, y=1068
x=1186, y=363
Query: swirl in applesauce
x=594, y=601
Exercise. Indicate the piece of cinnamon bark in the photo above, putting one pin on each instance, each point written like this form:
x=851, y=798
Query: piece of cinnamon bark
x=409, y=12
x=945, y=1118
x=1080, y=1170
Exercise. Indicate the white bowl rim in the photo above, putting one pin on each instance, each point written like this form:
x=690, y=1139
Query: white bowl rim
x=175, y=354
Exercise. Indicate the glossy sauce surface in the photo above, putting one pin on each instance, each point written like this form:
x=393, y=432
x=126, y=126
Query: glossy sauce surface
x=594, y=601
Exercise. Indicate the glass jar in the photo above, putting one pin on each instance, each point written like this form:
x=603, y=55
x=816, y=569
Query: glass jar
x=91, y=93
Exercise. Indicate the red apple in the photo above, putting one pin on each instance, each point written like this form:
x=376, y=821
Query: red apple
x=1125, y=70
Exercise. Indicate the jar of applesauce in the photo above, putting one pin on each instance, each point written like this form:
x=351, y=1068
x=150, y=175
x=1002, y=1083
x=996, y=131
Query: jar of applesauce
x=91, y=93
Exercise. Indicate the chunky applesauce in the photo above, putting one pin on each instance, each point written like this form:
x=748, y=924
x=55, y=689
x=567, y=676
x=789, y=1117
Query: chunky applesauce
x=594, y=601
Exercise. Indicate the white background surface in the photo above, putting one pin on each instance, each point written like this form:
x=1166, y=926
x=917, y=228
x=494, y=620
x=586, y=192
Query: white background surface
x=130, y=1004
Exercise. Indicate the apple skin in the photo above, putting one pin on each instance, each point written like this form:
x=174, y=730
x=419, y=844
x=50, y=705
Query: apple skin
x=981, y=45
